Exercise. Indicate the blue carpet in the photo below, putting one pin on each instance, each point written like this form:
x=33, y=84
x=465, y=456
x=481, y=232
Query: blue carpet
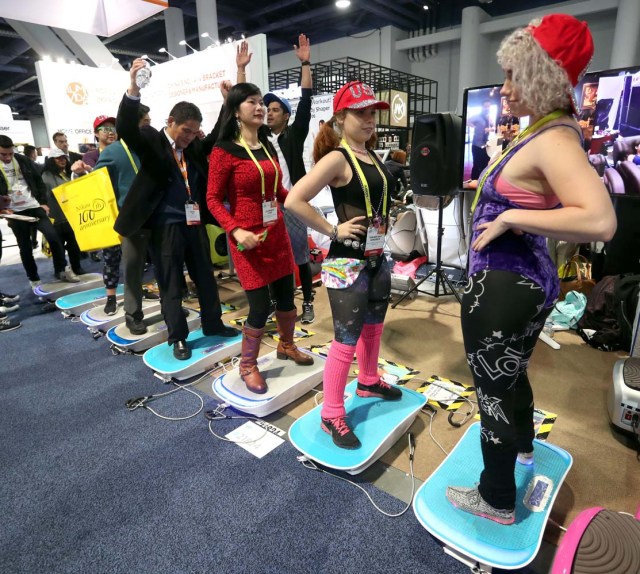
x=88, y=486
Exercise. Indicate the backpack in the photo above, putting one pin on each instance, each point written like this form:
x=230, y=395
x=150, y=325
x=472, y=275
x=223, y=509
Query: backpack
x=610, y=312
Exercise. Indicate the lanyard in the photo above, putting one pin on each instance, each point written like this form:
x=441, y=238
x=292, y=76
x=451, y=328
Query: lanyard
x=133, y=163
x=524, y=133
x=275, y=167
x=365, y=184
x=183, y=169
x=16, y=171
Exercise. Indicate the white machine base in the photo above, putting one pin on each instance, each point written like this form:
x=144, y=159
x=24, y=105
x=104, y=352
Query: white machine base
x=286, y=381
x=623, y=398
x=206, y=352
x=54, y=289
x=97, y=321
x=124, y=342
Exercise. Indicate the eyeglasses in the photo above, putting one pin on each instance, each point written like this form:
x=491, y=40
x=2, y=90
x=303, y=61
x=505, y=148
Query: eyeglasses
x=107, y=129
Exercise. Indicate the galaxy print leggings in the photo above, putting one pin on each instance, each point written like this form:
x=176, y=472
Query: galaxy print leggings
x=502, y=315
x=365, y=301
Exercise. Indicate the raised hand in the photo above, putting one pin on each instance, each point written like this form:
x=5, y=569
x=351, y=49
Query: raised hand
x=303, y=49
x=243, y=56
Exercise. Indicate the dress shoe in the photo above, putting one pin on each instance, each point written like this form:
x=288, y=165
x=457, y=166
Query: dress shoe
x=221, y=331
x=181, y=351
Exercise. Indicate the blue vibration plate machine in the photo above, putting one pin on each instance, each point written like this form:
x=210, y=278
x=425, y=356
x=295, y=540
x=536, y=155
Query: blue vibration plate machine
x=76, y=303
x=52, y=290
x=478, y=541
x=206, y=352
x=286, y=382
x=376, y=422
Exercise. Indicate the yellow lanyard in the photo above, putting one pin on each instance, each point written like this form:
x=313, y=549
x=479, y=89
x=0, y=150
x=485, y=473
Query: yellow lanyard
x=16, y=171
x=275, y=167
x=365, y=184
x=523, y=134
x=133, y=163
x=183, y=170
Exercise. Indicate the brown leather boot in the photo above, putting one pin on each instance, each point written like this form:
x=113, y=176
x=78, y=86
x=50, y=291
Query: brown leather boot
x=249, y=372
x=287, y=349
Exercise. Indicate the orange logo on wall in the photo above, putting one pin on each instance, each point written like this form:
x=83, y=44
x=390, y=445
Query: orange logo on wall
x=77, y=93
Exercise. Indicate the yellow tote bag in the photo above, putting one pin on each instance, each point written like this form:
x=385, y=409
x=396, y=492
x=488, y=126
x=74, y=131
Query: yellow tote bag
x=90, y=206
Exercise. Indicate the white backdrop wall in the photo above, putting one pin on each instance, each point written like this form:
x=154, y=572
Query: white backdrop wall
x=74, y=95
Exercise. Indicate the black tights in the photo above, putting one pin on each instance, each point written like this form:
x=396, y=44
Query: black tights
x=260, y=300
x=502, y=315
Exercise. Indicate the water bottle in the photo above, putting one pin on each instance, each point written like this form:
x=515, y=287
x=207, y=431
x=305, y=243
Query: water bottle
x=548, y=328
x=143, y=76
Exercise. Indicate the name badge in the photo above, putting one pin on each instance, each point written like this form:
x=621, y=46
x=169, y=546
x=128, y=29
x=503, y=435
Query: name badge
x=375, y=240
x=269, y=212
x=192, y=211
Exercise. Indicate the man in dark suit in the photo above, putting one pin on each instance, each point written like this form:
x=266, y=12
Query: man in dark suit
x=168, y=197
x=60, y=141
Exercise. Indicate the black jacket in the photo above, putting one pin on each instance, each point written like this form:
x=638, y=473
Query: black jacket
x=291, y=140
x=31, y=174
x=156, y=168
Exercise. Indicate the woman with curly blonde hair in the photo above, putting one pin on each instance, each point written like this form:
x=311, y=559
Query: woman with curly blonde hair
x=541, y=186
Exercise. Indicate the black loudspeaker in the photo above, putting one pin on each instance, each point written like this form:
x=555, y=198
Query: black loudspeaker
x=435, y=154
x=622, y=253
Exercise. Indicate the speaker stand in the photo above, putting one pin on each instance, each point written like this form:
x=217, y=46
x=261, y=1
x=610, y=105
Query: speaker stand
x=441, y=278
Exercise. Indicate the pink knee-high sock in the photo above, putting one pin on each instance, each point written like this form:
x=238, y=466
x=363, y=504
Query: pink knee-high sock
x=367, y=351
x=336, y=372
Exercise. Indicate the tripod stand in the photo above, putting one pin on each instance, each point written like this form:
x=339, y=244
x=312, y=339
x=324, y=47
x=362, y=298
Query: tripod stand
x=441, y=278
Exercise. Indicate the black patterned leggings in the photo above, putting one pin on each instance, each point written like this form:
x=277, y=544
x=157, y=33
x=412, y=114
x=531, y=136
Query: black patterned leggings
x=366, y=301
x=111, y=269
x=502, y=315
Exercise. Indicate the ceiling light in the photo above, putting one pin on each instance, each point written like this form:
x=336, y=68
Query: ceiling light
x=185, y=43
x=342, y=4
x=206, y=35
x=145, y=57
x=163, y=50
x=425, y=7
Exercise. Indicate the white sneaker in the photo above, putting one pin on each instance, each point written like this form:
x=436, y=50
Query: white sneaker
x=68, y=275
x=7, y=307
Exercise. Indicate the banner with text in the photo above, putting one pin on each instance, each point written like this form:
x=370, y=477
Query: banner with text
x=73, y=95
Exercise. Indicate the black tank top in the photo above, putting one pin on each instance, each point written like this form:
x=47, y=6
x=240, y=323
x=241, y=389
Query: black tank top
x=349, y=201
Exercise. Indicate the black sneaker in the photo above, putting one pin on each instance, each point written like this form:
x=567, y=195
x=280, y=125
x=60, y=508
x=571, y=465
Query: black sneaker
x=7, y=324
x=7, y=306
x=136, y=326
x=111, y=306
x=308, y=316
x=380, y=390
x=9, y=298
x=149, y=294
x=340, y=432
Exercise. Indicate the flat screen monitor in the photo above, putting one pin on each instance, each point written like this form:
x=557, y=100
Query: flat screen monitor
x=489, y=126
x=610, y=107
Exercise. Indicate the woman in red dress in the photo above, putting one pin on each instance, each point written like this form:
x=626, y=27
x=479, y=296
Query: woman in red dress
x=244, y=171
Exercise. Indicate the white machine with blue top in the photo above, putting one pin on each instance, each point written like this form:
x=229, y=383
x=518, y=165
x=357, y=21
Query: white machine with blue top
x=206, y=353
x=52, y=290
x=124, y=341
x=376, y=422
x=286, y=381
x=478, y=542
x=75, y=303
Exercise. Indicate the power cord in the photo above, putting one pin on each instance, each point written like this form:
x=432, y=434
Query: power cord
x=467, y=416
x=307, y=463
x=218, y=414
x=431, y=412
x=143, y=402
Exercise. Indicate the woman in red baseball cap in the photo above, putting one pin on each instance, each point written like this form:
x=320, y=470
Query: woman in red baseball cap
x=355, y=272
x=540, y=186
